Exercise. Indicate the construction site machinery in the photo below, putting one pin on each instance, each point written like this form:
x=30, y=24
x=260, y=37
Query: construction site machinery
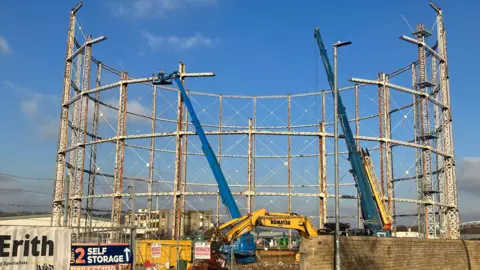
x=261, y=217
x=245, y=247
x=377, y=220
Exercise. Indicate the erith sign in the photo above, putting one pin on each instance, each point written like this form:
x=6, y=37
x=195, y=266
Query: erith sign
x=34, y=247
x=102, y=254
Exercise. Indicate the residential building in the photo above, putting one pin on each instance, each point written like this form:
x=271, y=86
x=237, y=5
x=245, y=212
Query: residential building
x=157, y=225
x=197, y=220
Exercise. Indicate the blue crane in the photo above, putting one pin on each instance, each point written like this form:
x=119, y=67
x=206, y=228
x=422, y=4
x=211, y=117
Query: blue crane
x=245, y=247
x=376, y=219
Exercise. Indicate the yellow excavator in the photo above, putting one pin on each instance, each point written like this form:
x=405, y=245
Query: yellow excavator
x=262, y=217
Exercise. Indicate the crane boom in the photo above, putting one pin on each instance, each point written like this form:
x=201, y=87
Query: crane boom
x=369, y=195
x=245, y=247
x=224, y=190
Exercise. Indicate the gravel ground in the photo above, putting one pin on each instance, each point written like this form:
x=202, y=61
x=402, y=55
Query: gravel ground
x=269, y=266
x=258, y=266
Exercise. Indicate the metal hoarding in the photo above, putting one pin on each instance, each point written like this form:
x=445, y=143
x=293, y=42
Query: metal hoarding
x=36, y=248
x=165, y=252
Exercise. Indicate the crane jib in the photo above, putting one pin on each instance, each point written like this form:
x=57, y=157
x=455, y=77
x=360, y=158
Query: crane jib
x=371, y=214
x=224, y=190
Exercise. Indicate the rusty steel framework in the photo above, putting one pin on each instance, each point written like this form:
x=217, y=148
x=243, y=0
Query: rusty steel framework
x=427, y=145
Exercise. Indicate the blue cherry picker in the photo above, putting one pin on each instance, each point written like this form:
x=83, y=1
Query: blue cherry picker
x=245, y=247
x=377, y=220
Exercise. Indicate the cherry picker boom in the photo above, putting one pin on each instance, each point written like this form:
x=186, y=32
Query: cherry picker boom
x=377, y=220
x=245, y=247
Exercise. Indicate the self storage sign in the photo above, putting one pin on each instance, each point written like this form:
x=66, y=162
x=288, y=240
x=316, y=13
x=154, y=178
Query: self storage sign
x=100, y=255
x=23, y=247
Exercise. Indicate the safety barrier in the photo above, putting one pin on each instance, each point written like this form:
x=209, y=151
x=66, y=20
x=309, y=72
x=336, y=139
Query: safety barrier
x=45, y=247
x=162, y=253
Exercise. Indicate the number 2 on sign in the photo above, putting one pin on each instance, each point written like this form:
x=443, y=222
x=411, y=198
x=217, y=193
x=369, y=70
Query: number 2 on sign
x=80, y=259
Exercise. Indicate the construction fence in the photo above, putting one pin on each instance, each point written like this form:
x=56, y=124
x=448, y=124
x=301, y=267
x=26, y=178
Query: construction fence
x=45, y=247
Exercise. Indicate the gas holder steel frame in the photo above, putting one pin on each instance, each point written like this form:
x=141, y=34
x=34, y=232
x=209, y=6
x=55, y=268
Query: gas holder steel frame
x=436, y=185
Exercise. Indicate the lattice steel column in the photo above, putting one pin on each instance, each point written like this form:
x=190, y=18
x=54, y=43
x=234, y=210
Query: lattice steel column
x=254, y=173
x=63, y=130
x=183, y=154
x=452, y=229
x=151, y=163
x=382, y=130
x=385, y=133
x=388, y=146
x=185, y=159
x=93, y=149
x=424, y=85
x=177, y=203
x=418, y=156
x=220, y=109
x=393, y=209
x=289, y=164
x=73, y=169
x=82, y=137
x=119, y=152
x=249, y=176
x=357, y=133
x=438, y=144
x=322, y=179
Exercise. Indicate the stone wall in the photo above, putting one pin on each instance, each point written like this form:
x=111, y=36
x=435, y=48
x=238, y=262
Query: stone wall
x=390, y=253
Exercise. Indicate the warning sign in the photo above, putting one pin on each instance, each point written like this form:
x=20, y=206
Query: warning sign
x=202, y=251
x=156, y=250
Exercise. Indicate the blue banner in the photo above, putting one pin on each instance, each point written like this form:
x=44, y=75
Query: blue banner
x=102, y=254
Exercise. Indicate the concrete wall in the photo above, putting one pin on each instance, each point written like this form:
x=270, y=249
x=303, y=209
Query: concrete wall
x=390, y=253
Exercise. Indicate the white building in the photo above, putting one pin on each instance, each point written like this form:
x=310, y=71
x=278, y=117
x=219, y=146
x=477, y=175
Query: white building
x=100, y=231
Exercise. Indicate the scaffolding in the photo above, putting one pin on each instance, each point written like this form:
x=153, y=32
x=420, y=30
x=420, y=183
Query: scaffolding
x=274, y=150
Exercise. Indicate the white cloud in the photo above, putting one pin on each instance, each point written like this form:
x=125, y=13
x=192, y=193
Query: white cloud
x=110, y=115
x=469, y=178
x=180, y=43
x=37, y=107
x=42, y=110
x=29, y=108
x=135, y=106
x=147, y=9
x=19, y=192
x=4, y=48
x=48, y=128
x=468, y=185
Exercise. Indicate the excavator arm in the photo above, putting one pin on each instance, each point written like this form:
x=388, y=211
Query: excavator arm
x=289, y=221
x=261, y=217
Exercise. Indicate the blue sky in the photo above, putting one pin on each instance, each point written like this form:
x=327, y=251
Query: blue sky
x=265, y=48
